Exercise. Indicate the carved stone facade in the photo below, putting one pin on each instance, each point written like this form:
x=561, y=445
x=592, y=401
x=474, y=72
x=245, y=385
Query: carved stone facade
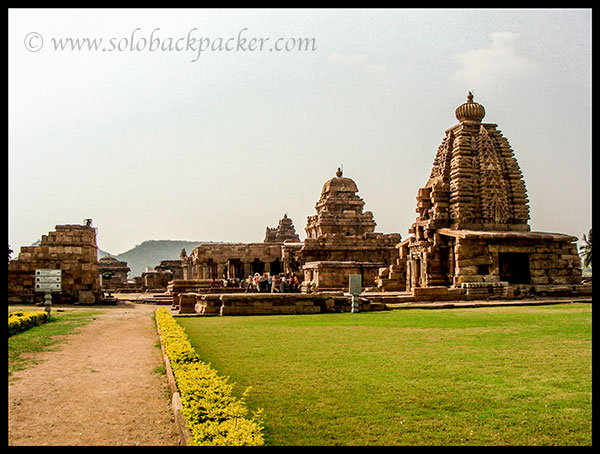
x=472, y=225
x=476, y=182
x=70, y=248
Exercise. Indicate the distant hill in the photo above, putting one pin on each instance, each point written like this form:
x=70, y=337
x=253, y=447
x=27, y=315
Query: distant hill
x=151, y=252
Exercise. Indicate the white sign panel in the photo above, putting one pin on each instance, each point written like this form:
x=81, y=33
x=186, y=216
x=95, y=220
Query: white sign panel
x=48, y=273
x=48, y=279
x=47, y=287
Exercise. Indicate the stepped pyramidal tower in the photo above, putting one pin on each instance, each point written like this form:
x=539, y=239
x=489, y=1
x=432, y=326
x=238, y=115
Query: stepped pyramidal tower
x=340, y=210
x=285, y=231
x=341, y=238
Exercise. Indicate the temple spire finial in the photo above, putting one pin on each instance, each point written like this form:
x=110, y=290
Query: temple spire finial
x=339, y=172
x=470, y=110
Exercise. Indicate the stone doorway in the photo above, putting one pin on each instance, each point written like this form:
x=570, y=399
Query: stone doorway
x=257, y=267
x=275, y=267
x=213, y=270
x=514, y=267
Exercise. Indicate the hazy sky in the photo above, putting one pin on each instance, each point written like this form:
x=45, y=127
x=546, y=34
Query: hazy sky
x=154, y=140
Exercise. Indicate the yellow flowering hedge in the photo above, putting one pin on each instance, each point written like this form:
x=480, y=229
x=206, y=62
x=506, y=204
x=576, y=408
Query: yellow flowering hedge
x=21, y=321
x=214, y=415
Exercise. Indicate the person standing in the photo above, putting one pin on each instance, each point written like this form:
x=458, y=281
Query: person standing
x=282, y=285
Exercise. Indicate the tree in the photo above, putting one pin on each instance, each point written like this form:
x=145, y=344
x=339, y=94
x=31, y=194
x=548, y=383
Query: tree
x=586, y=250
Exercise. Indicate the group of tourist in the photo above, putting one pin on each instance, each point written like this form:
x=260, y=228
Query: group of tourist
x=278, y=283
x=265, y=283
x=224, y=283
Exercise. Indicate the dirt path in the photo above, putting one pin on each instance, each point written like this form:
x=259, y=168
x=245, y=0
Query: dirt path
x=98, y=389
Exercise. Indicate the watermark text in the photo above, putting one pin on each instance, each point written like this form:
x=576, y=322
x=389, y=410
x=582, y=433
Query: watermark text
x=192, y=43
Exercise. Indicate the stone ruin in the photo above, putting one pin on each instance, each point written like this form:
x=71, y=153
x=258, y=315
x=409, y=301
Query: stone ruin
x=113, y=273
x=340, y=241
x=236, y=261
x=70, y=248
x=472, y=230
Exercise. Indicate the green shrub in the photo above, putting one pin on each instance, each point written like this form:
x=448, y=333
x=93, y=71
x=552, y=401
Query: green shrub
x=21, y=321
x=213, y=414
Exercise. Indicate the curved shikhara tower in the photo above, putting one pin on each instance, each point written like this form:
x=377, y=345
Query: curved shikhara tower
x=476, y=182
x=472, y=227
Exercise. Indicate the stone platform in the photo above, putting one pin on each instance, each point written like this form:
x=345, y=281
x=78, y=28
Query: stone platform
x=268, y=304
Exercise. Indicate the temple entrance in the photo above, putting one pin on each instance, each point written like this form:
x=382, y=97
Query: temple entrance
x=257, y=267
x=514, y=267
x=275, y=267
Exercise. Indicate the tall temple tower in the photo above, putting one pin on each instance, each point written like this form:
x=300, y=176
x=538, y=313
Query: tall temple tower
x=476, y=182
x=472, y=229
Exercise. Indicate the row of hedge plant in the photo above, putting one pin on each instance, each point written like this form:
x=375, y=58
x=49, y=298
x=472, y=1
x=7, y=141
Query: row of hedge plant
x=21, y=321
x=213, y=414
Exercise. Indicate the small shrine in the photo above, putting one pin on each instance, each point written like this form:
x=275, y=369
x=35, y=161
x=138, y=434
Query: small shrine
x=285, y=231
x=341, y=239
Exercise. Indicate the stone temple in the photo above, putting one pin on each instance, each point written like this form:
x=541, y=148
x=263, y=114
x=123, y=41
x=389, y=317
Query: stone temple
x=472, y=229
x=341, y=239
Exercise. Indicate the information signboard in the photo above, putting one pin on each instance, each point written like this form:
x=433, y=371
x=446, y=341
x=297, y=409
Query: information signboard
x=48, y=280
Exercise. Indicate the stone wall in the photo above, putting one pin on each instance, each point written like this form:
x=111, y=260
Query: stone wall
x=549, y=259
x=487, y=264
x=70, y=248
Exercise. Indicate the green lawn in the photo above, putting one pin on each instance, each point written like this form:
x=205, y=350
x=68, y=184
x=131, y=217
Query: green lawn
x=486, y=376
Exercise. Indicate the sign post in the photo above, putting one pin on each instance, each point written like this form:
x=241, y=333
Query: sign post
x=48, y=281
x=355, y=285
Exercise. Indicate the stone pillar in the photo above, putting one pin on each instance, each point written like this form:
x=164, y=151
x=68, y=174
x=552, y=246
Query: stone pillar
x=247, y=269
x=205, y=271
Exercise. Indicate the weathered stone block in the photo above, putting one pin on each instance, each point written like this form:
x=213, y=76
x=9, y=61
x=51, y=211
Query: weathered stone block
x=187, y=303
x=467, y=270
